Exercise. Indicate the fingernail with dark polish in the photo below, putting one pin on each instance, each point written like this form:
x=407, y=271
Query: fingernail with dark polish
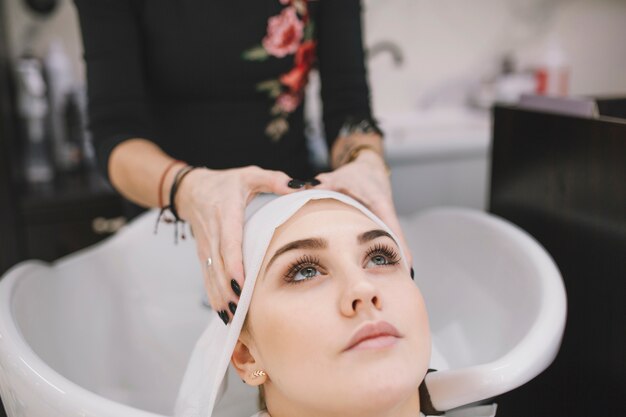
x=313, y=182
x=294, y=183
x=223, y=315
x=232, y=307
x=235, y=286
x=412, y=273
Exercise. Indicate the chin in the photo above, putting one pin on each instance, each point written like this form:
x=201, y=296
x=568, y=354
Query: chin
x=383, y=397
x=398, y=383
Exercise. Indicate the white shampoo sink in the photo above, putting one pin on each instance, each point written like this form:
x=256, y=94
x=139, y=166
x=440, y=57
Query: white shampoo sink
x=107, y=331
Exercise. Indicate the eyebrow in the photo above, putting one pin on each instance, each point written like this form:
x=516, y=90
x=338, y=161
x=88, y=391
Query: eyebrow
x=319, y=243
x=373, y=234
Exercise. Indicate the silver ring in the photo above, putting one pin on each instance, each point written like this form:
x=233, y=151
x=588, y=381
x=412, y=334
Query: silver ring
x=209, y=262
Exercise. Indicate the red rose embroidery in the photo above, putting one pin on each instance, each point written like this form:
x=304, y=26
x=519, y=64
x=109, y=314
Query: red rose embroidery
x=284, y=33
x=297, y=78
x=290, y=32
x=305, y=55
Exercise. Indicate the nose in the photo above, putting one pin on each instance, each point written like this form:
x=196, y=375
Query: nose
x=360, y=294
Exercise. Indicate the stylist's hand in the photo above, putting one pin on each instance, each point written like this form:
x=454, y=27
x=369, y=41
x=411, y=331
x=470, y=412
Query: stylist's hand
x=366, y=180
x=213, y=202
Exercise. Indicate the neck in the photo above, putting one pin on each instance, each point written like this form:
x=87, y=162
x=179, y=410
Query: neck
x=409, y=407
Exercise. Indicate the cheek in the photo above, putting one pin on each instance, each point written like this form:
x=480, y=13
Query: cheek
x=410, y=312
x=416, y=301
x=288, y=333
x=408, y=298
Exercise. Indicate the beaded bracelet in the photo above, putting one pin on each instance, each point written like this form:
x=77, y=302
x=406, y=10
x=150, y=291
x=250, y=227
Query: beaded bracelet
x=162, y=180
x=180, y=175
x=177, y=180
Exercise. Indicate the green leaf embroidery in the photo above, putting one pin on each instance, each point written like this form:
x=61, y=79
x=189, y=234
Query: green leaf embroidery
x=276, y=110
x=309, y=31
x=273, y=87
x=277, y=128
x=257, y=53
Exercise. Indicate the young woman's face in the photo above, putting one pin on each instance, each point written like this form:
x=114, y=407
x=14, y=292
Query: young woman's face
x=329, y=272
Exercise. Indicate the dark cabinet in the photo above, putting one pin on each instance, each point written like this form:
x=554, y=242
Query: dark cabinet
x=563, y=180
x=73, y=213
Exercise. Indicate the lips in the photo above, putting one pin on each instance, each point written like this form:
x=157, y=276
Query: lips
x=380, y=329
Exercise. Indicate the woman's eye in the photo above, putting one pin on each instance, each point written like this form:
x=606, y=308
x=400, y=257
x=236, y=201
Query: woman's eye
x=302, y=269
x=307, y=272
x=377, y=260
x=382, y=255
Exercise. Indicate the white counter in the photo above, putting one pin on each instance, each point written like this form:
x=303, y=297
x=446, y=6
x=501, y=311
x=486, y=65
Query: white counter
x=438, y=157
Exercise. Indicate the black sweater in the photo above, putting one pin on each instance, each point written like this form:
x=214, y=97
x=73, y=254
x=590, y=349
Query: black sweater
x=219, y=83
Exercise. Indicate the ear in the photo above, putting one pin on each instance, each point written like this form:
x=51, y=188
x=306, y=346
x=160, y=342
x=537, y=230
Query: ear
x=246, y=365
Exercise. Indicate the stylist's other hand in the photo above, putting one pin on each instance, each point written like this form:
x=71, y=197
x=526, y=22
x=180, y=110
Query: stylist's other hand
x=366, y=180
x=213, y=202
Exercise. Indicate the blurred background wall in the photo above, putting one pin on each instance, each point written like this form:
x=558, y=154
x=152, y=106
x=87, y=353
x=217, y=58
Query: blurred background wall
x=450, y=43
x=446, y=44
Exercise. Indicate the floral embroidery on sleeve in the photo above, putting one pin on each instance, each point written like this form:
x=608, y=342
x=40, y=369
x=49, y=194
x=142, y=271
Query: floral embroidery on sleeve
x=289, y=33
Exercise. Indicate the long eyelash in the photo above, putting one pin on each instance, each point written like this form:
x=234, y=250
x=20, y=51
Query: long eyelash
x=306, y=260
x=382, y=249
x=299, y=265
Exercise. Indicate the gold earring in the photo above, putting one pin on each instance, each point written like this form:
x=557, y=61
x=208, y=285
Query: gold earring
x=258, y=373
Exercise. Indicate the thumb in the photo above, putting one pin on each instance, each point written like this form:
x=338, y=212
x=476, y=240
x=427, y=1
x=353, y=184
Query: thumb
x=269, y=181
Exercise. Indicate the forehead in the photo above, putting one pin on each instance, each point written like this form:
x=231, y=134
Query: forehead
x=321, y=215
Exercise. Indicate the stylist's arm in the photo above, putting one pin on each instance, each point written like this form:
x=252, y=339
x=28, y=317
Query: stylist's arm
x=213, y=202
